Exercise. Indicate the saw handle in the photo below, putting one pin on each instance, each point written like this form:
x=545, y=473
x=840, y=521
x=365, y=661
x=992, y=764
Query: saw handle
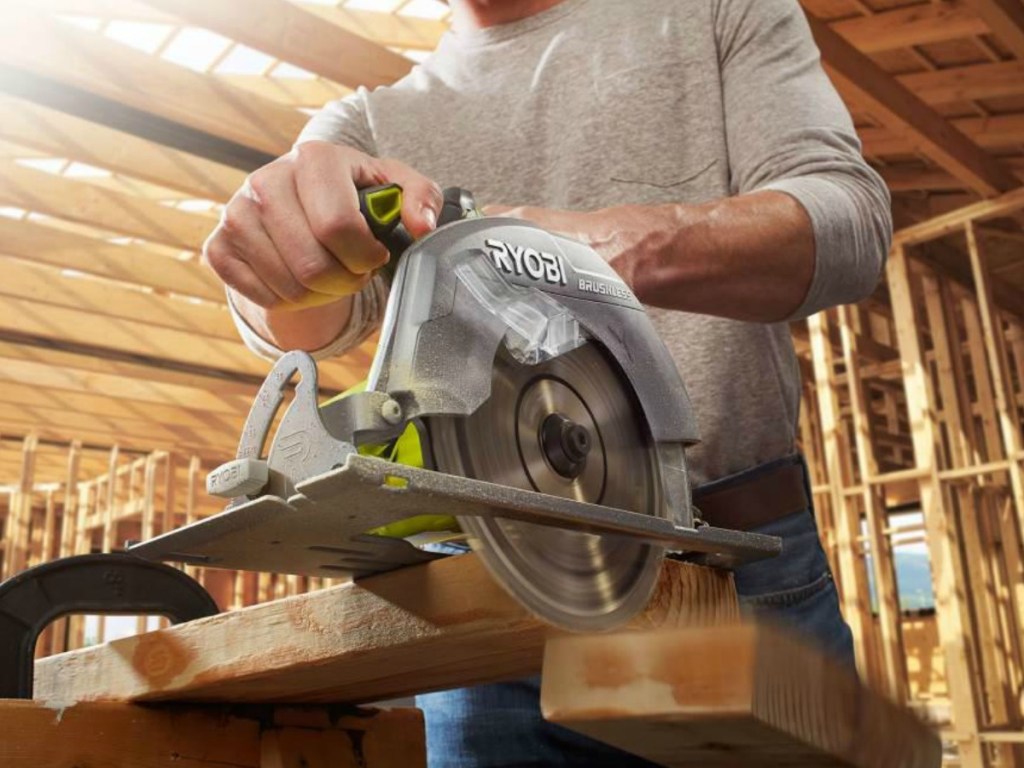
x=381, y=206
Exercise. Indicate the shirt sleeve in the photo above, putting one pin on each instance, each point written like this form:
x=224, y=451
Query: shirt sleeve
x=367, y=313
x=343, y=121
x=788, y=130
x=340, y=122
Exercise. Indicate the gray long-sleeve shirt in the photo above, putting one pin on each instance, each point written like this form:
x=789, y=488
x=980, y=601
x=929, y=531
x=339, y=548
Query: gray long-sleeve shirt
x=596, y=103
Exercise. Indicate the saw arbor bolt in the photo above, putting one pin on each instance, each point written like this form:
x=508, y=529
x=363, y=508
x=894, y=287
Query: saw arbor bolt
x=566, y=444
x=391, y=411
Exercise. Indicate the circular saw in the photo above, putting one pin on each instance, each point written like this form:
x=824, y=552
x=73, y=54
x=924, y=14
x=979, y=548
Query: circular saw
x=551, y=420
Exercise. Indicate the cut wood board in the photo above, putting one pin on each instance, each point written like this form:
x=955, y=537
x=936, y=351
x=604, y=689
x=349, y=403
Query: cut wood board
x=441, y=625
x=744, y=695
x=120, y=735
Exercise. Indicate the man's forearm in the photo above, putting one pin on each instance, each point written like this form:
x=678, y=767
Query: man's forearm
x=307, y=329
x=749, y=257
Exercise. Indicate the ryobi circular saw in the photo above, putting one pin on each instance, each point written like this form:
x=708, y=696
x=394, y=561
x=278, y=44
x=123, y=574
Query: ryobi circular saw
x=548, y=418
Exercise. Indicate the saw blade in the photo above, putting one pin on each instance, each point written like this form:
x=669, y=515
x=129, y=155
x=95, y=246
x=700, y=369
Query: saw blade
x=568, y=427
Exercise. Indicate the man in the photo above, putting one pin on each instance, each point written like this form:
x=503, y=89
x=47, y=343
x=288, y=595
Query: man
x=695, y=144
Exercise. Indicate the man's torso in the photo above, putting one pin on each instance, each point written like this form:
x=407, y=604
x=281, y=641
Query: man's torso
x=597, y=103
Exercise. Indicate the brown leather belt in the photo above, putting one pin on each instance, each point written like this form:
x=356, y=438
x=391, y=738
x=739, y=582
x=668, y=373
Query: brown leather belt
x=754, y=498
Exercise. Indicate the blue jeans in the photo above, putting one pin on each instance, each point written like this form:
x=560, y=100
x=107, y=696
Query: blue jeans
x=500, y=725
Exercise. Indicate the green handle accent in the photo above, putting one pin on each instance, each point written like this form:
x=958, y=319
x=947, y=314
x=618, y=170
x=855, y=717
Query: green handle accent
x=381, y=206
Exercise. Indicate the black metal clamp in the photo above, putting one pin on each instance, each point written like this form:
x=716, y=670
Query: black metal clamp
x=116, y=583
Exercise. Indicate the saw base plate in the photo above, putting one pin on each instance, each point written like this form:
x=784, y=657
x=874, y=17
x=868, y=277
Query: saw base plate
x=320, y=531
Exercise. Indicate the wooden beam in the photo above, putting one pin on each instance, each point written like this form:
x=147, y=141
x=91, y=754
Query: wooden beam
x=727, y=696
x=448, y=623
x=389, y=29
x=951, y=222
x=56, y=423
x=995, y=132
x=210, y=737
x=944, y=546
x=853, y=579
x=43, y=284
x=64, y=135
x=921, y=24
x=61, y=323
x=202, y=423
x=292, y=34
x=999, y=369
x=859, y=78
x=134, y=264
x=75, y=372
x=1005, y=19
x=894, y=661
x=960, y=84
x=293, y=91
x=106, y=209
x=88, y=64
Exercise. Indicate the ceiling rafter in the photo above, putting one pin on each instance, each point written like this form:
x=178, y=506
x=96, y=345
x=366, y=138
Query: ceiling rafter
x=88, y=203
x=64, y=135
x=46, y=285
x=78, y=64
x=291, y=34
x=865, y=82
x=921, y=24
x=133, y=264
x=1005, y=19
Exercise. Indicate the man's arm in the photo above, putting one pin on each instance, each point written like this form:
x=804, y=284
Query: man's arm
x=748, y=258
x=294, y=253
x=809, y=226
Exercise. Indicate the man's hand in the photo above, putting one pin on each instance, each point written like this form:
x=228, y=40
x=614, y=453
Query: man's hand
x=292, y=238
x=748, y=258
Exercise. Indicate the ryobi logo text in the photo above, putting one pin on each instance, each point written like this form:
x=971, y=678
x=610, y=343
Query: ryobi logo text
x=518, y=259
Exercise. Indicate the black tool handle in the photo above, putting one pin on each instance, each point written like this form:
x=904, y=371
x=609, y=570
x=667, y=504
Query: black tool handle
x=381, y=206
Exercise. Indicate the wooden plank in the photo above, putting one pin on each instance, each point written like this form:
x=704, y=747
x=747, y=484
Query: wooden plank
x=913, y=178
x=76, y=373
x=62, y=323
x=133, y=264
x=859, y=78
x=954, y=221
x=959, y=84
x=106, y=209
x=35, y=43
x=135, y=433
x=993, y=132
x=416, y=629
x=1005, y=19
x=941, y=532
x=19, y=515
x=921, y=24
x=209, y=737
x=998, y=365
x=290, y=33
x=727, y=696
x=853, y=580
x=390, y=29
x=894, y=662
x=293, y=91
x=64, y=135
x=202, y=424
x=46, y=285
